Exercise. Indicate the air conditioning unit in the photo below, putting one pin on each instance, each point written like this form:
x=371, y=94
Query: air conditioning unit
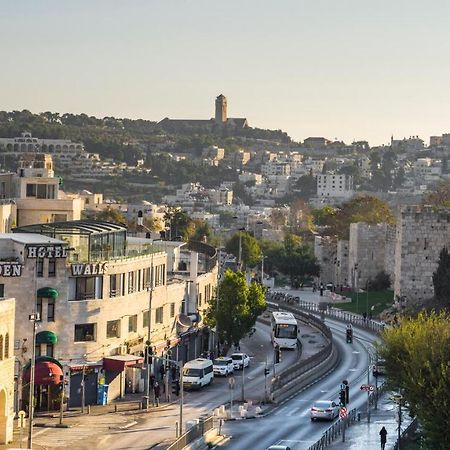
x=122, y=350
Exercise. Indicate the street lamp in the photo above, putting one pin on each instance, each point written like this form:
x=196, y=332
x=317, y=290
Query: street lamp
x=35, y=317
x=149, y=332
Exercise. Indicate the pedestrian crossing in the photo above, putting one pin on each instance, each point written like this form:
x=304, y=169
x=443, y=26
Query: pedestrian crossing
x=291, y=410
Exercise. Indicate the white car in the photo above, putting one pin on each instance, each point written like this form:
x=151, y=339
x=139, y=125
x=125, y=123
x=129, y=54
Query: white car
x=240, y=360
x=324, y=409
x=223, y=366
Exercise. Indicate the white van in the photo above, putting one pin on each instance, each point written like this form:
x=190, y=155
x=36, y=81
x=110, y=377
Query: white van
x=197, y=373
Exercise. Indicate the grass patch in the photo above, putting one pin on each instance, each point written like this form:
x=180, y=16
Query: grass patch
x=379, y=300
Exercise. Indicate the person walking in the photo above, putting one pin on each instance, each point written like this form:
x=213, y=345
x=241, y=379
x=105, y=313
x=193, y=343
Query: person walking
x=383, y=434
x=157, y=392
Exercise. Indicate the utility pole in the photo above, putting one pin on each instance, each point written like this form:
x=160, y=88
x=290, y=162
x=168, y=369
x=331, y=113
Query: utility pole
x=83, y=388
x=33, y=318
x=368, y=392
x=243, y=381
x=149, y=334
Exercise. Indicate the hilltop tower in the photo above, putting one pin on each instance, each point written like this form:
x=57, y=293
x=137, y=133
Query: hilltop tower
x=221, y=109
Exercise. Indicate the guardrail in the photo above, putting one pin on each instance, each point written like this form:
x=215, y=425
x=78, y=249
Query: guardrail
x=300, y=374
x=196, y=432
x=408, y=431
x=335, y=431
x=338, y=314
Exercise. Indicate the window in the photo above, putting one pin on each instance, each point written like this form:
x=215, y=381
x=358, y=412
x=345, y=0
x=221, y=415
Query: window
x=113, y=329
x=145, y=317
x=31, y=190
x=2, y=290
x=159, y=315
x=115, y=285
x=52, y=267
x=85, y=288
x=85, y=332
x=132, y=324
x=39, y=267
x=37, y=349
x=51, y=310
x=172, y=310
x=41, y=191
x=7, y=345
x=59, y=217
x=147, y=277
x=50, y=350
x=1, y=347
x=39, y=307
x=131, y=282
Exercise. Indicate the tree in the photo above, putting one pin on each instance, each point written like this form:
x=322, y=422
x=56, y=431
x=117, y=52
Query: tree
x=367, y=209
x=239, y=305
x=417, y=355
x=111, y=215
x=250, y=249
x=306, y=186
x=180, y=223
x=440, y=197
x=441, y=279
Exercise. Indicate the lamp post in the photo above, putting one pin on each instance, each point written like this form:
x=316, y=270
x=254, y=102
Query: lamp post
x=149, y=332
x=356, y=288
x=35, y=317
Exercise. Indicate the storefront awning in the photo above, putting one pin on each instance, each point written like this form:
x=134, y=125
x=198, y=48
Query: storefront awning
x=48, y=292
x=45, y=372
x=119, y=362
x=46, y=337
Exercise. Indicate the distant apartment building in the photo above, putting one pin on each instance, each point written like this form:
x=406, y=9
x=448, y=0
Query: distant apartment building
x=35, y=191
x=438, y=141
x=334, y=185
x=411, y=144
x=275, y=168
x=214, y=152
x=316, y=142
x=250, y=177
x=427, y=169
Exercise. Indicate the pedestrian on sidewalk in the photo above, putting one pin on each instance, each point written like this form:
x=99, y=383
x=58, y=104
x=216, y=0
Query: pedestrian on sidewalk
x=157, y=393
x=162, y=371
x=173, y=371
x=383, y=433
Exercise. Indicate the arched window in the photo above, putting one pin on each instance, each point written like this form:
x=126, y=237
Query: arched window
x=6, y=345
x=1, y=347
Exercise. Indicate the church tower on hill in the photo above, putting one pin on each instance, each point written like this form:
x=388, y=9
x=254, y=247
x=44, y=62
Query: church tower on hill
x=221, y=110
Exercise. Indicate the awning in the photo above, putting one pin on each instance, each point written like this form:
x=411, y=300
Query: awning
x=48, y=292
x=44, y=358
x=119, y=362
x=46, y=337
x=45, y=372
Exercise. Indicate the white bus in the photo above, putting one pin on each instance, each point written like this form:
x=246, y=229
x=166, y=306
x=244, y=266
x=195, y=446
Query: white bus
x=284, y=329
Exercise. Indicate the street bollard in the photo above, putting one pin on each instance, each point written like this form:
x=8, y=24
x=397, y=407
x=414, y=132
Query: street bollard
x=115, y=407
x=88, y=409
x=358, y=416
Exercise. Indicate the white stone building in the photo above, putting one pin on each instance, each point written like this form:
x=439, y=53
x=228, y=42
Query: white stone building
x=94, y=287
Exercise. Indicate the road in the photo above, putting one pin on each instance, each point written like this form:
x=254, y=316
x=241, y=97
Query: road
x=159, y=427
x=290, y=424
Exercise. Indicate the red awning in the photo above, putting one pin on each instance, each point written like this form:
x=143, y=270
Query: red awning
x=45, y=372
x=119, y=362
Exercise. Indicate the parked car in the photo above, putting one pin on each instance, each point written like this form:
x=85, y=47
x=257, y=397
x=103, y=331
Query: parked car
x=379, y=368
x=324, y=409
x=223, y=366
x=278, y=447
x=240, y=360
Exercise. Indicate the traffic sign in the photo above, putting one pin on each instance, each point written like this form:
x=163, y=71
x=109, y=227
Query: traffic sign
x=231, y=382
x=343, y=413
x=21, y=423
x=367, y=387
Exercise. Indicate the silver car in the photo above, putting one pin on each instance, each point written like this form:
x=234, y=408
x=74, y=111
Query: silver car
x=324, y=410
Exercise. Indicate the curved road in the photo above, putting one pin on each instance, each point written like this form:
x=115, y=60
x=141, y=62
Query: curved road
x=290, y=424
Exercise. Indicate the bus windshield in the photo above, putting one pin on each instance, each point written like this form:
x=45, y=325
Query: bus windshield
x=286, y=331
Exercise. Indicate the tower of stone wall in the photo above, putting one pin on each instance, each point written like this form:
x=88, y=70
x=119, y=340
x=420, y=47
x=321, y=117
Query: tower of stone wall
x=422, y=232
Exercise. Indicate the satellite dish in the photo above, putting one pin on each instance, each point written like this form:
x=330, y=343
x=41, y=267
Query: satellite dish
x=184, y=321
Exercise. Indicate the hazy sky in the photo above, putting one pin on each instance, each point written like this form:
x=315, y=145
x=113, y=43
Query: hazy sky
x=346, y=69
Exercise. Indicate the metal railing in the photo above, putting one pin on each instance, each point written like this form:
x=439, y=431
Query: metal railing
x=335, y=431
x=192, y=434
x=409, y=430
x=282, y=380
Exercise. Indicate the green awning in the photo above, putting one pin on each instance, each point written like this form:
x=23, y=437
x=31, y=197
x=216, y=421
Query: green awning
x=48, y=292
x=46, y=337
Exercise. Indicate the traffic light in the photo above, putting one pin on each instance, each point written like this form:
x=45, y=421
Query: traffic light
x=60, y=385
x=342, y=398
x=176, y=387
x=277, y=354
x=347, y=394
x=266, y=371
x=148, y=353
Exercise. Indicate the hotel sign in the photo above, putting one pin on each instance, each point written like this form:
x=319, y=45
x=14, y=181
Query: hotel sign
x=12, y=269
x=89, y=269
x=46, y=251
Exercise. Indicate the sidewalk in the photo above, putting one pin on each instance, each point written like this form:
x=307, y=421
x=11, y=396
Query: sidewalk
x=79, y=427
x=365, y=436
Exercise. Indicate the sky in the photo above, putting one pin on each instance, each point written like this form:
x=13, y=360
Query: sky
x=344, y=69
